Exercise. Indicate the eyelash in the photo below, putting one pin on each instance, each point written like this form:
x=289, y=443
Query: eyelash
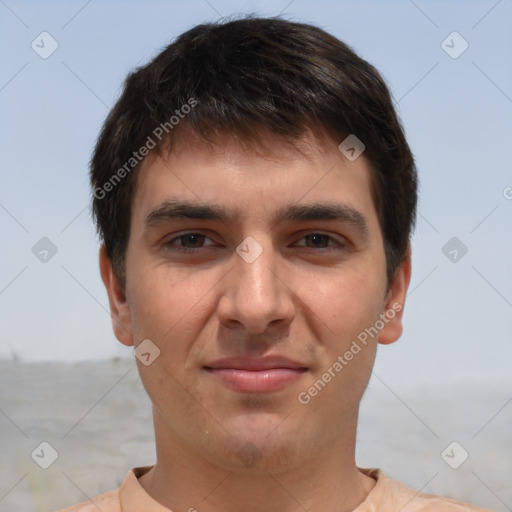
x=187, y=250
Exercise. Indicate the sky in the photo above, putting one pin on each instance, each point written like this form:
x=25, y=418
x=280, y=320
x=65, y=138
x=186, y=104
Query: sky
x=447, y=64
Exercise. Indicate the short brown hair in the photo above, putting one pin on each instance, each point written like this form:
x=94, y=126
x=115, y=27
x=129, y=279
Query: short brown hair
x=242, y=76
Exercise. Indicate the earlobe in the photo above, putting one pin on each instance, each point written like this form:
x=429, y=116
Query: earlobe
x=395, y=301
x=119, y=307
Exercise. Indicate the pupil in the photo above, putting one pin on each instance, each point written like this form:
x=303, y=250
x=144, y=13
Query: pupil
x=193, y=239
x=318, y=239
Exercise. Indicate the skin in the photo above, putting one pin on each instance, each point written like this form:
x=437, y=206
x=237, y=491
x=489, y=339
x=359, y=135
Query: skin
x=296, y=299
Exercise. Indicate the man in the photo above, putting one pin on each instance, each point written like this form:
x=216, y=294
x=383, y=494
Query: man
x=255, y=196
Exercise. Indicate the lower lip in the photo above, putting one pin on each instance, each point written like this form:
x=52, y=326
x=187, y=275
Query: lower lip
x=256, y=381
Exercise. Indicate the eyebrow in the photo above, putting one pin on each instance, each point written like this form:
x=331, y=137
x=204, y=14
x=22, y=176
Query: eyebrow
x=183, y=209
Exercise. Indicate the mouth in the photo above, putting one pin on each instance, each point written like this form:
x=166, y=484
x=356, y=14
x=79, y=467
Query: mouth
x=250, y=375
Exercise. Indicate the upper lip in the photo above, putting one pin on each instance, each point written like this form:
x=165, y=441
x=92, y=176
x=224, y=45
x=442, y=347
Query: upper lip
x=252, y=363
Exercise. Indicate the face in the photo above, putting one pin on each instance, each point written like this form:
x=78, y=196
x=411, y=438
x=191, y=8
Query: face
x=260, y=280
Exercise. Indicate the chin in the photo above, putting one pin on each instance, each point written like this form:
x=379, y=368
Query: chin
x=260, y=443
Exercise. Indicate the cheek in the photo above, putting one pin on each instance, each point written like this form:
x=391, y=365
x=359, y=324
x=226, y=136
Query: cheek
x=347, y=302
x=168, y=307
x=347, y=308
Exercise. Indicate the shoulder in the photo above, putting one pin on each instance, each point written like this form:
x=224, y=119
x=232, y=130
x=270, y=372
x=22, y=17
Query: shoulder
x=393, y=494
x=106, y=502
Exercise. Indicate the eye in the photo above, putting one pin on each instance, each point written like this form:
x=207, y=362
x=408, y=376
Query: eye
x=192, y=243
x=187, y=242
x=321, y=241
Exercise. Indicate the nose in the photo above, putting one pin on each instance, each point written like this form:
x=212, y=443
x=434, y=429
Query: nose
x=256, y=292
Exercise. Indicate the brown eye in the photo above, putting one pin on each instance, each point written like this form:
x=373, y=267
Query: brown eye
x=192, y=240
x=318, y=240
x=187, y=243
x=322, y=241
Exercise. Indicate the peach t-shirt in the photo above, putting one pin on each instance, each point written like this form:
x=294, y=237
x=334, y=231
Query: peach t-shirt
x=388, y=495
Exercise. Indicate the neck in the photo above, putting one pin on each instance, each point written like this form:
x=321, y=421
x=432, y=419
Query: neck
x=326, y=481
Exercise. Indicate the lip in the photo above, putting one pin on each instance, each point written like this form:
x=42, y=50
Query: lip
x=256, y=375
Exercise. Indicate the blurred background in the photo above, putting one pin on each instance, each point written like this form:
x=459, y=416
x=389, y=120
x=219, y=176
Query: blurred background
x=64, y=377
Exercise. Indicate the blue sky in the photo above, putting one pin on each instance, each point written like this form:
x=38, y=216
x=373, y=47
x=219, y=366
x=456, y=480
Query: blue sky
x=457, y=113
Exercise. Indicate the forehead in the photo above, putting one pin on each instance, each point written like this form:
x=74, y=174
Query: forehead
x=257, y=177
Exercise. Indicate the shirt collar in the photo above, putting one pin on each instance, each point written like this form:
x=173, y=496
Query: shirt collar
x=134, y=498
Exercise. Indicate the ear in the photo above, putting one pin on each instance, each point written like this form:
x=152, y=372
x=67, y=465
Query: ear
x=119, y=308
x=395, y=301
